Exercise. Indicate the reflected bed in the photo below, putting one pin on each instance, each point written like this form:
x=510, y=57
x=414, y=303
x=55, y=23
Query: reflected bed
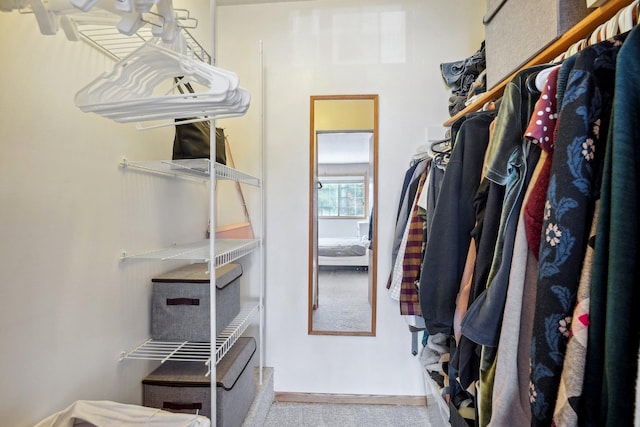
x=340, y=251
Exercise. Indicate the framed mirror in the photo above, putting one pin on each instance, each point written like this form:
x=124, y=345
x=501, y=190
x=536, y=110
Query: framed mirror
x=342, y=221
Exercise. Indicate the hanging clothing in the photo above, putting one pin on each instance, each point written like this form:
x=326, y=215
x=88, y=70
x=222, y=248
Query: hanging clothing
x=412, y=260
x=583, y=118
x=539, y=257
x=434, y=185
x=465, y=295
x=614, y=323
x=490, y=196
x=541, y=131
x=407, y=200
x=510, y=163
x=510, y=398
x=510, y=405
x=452, y=222
x=573, y=371
x=395, y=279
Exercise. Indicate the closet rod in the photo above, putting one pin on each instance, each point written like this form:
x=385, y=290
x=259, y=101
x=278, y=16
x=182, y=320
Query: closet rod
x=579, y=31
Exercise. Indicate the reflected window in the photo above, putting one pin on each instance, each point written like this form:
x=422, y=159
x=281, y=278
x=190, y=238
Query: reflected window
x=342, y=196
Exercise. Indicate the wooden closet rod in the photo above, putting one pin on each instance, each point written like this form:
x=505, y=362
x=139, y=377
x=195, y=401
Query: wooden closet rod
x=579, y=31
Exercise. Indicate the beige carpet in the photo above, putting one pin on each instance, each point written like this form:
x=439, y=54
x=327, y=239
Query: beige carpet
x=283, y=414
x=343, y=301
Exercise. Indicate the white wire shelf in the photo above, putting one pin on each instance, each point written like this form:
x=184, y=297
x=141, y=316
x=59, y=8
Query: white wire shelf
x=227, y=250
x=189, y=351
x=108, y=40
x=236, y=328
x=192, y=168
x=225, y=172
x=185, y=351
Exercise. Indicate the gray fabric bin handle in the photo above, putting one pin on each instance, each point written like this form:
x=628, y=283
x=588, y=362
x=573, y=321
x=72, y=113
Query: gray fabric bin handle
x=183, y=301
x=182, y=406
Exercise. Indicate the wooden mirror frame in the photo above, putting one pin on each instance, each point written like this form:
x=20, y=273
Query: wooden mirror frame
x=313, y=261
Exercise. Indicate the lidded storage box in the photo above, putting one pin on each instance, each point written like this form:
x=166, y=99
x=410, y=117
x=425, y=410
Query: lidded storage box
x=184, y=386
x=516, y=30
x=180, y=302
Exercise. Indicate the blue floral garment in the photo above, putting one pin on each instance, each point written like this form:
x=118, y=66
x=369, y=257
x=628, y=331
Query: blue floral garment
x=583, y=118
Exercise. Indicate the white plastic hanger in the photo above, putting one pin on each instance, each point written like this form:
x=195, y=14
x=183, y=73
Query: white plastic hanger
x=541, y=77
x=124, y=5
x=137, y=75
x=136, y=88
x=67, y=14
x=130, y=23
x=624, y=20
x=47, y=21
x=628, y=17
x=84, y=5
x=169, y=24
x=131, y=14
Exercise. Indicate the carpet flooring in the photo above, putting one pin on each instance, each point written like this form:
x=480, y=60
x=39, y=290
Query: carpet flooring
x=343, y=302
x=284, y=414
x=266, y=412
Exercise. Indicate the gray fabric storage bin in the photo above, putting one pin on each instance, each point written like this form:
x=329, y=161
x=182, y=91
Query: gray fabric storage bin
x=178, y=387
x=522, y=28
x=180, y=302
x=235, y=384
x=183, y=386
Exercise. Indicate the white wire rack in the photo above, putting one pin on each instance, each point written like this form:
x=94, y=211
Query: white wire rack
x=108, y=40
x=185, y=351
x=98, y=28
x=192, y=168
x=225, y=172
x=197, y=169
x=188, y=351
x=236, y=328
x=227, y=250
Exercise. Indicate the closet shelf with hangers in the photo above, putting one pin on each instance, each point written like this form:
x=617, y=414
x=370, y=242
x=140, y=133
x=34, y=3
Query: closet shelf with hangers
x=108, y=40
x=152, y=47
x=580, y=31
x=115, y=29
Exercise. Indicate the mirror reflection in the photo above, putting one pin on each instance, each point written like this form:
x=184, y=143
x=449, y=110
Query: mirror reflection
x=342, y=290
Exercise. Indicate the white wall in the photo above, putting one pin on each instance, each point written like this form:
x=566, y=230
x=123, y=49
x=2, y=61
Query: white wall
x=386, y=47
x=68, y=305
x=336, y=227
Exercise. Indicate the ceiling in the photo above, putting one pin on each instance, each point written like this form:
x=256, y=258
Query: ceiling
x=344, y=148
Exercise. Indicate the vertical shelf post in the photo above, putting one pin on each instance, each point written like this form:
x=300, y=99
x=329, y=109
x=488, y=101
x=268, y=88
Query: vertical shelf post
x=261, y=234
x=212, y=232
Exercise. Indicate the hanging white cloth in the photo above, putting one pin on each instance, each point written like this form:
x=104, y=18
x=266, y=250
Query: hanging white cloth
x=105, y=413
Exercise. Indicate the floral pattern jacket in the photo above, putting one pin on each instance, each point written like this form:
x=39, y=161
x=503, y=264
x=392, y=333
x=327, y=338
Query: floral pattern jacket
x=581, y=134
